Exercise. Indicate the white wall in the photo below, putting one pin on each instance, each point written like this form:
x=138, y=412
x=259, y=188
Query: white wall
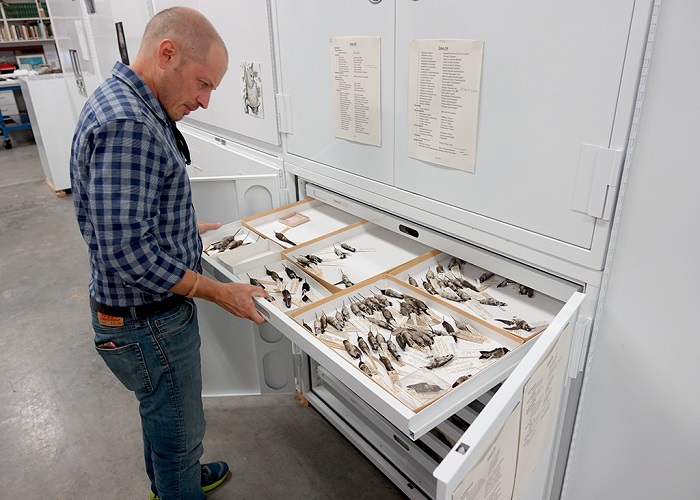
x=639, y=431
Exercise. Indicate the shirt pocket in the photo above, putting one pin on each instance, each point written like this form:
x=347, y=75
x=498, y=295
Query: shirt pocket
x=128, y=365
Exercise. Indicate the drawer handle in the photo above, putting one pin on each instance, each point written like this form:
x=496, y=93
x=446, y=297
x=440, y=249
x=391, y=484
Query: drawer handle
x=408, y=230
x=340, y=202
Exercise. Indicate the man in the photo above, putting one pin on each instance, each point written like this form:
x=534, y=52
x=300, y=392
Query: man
x=133, y=204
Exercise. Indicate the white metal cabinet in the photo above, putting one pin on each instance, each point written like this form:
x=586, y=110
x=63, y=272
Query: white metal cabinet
x=551, y=138
x=72, y=33
x=76, y=50
x=362, y=189
x=53, y=122
x=637, y=434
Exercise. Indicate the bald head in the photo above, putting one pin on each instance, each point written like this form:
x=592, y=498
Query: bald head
x=182, y=59
x=187, y=28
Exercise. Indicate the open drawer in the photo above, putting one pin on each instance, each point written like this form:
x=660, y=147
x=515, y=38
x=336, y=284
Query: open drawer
x=412, y=422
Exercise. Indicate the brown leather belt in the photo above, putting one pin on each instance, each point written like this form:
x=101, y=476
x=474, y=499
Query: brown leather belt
x=142, y=311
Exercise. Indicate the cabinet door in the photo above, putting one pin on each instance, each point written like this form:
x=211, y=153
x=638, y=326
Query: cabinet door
x=555, y=76
x=508, y=450
x=229, y=360
x=238, y=357
x=229, y=181
x=305, y=29
x=227, y=199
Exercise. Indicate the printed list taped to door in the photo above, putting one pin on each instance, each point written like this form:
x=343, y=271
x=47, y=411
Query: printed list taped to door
x=443, y=98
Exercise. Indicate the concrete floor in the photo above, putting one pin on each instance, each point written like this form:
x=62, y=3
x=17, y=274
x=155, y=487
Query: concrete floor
x=69, y=430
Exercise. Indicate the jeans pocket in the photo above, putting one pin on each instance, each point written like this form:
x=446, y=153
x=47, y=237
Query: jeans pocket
x=128, y=366
x=175, y=321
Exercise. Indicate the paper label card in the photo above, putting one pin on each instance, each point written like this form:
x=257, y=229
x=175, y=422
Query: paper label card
x=444, y=82
x=493, y=477
x=541, y=399
x=356, y=89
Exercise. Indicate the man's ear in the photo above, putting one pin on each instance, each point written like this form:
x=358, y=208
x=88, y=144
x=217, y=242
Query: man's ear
x=167, y=53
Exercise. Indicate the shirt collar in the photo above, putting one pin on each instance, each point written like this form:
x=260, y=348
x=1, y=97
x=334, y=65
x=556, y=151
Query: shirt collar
x=125, y=74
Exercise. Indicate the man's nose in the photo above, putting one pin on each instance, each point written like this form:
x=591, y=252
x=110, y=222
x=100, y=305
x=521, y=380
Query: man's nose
x=203, y=100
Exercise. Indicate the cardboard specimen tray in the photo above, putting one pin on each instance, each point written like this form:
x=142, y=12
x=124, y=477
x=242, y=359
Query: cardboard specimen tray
x=449, y=350
x=227, y=231
x=248, y=257
x=376, y=251
x=493, y=298
x=298, y=295
x=302, y=221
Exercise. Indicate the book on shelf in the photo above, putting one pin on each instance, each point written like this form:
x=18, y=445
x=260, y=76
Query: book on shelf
x=21, y=10
x=23, y=32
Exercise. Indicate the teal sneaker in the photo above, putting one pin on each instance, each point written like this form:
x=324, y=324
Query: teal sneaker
x=213, y=474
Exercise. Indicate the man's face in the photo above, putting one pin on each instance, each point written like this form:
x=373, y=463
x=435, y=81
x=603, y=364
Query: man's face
x=188, y=86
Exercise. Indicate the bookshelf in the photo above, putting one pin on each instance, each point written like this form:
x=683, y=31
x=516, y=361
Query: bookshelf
x=25, y=25
x=25, y=22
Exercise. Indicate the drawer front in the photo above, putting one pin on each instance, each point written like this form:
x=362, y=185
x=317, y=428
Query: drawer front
x=516, y=432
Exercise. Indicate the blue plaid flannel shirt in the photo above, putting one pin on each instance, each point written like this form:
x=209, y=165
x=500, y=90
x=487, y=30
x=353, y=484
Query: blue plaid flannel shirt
x=132, y=194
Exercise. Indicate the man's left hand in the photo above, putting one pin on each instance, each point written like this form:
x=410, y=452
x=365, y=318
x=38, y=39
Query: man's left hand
x=203, y=227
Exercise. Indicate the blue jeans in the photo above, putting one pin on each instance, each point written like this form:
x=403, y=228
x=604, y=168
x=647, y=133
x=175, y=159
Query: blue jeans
x=158, y=359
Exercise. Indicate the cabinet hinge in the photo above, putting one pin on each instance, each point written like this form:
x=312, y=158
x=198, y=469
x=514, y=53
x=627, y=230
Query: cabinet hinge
x=284, y=113
x=597, y=180
x=579, y=346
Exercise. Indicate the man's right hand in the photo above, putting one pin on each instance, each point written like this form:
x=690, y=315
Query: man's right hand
x=237, y=298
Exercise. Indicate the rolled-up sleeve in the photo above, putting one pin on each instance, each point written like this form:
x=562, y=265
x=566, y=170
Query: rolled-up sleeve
x=127, y=169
